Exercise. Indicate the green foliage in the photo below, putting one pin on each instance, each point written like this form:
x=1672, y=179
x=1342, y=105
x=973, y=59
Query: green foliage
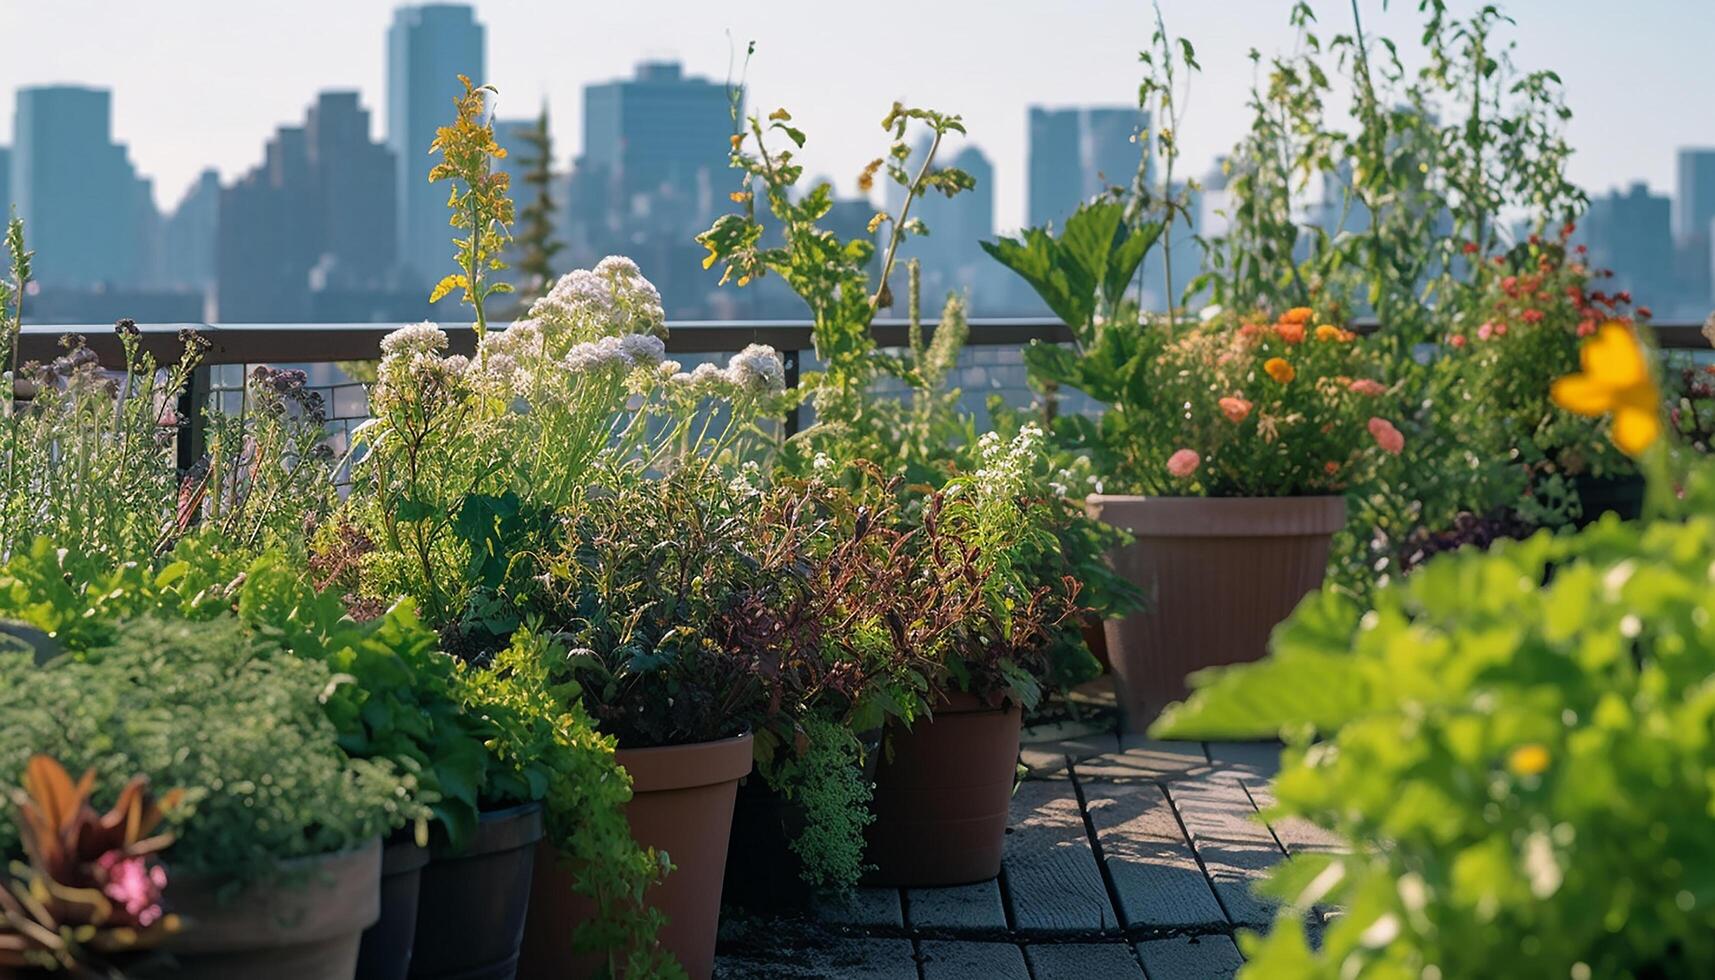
x=1516, y=747
x=1082, y=274
x=535, y=238
x=478, y=199
x=225, y=715
x=827, y=781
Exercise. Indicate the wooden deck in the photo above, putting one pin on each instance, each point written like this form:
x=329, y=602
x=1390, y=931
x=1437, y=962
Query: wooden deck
x=1125, y=858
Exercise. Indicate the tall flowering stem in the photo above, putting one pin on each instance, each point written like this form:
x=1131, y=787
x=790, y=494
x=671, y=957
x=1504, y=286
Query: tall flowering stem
x=478, y=200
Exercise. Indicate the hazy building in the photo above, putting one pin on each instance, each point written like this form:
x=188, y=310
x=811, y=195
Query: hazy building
x=5, y=184
x=952, y=255
x=89, y=216
x=1631, y=233
x=308, y=234
x=1056, y=182
x=1114, y=149
x=189, y=236
x=1693, y=218
x=428, y=47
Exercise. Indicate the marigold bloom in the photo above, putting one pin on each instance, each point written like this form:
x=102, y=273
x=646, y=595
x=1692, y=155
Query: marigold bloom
x=1615, y=380
x=1183, y=463
x=1280, y=369
x=1367, y=386
x=1301, y=315
x=1292, y=333
x=1236, y=409
x=1329, y=332
x=1528, y=760
x=1386, y=436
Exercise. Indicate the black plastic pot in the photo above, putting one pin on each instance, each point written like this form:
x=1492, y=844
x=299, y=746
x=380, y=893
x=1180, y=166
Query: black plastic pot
x=386, y=950
x=1620, y=495
x=471, y=905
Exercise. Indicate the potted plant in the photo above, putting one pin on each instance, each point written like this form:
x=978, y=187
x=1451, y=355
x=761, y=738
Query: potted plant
x=275, y=871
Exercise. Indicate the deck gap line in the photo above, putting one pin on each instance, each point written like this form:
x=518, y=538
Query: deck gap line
x=1101, y=858
x=1196, y=855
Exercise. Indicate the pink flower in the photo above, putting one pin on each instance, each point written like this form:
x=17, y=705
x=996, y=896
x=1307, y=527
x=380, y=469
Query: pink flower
x=135, y=884
x=1586, y=328
x=1531, y=316
x=1386, y=436
x=1183, y=463
x=1485, y=331
x=1367, y=386
x=1457, y=340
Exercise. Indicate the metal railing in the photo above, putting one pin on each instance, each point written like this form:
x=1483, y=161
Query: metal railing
x=234, y=347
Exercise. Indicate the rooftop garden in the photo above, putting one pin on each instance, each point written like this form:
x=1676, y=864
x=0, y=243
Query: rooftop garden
x=1421, y=500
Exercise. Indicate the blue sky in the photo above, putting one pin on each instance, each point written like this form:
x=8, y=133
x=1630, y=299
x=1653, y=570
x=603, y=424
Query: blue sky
x=203, y=82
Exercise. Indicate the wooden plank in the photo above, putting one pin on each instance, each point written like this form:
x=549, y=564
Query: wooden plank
x=1211, y=957
x=1052, y=883
x=860, y=908
x=943, y=960
x=1082, y=961
x=963, y=908
x=1296, y=834
x=1151, y=864
x=1261, y=758
x=1234, y=846
x=840, y=959
x=1140, y=758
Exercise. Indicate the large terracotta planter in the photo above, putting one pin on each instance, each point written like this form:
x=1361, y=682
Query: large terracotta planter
x=305, y=921
x=1218, y=574
x=941, y=796
x=470, y=906
x=386, y=950
x=681, y=804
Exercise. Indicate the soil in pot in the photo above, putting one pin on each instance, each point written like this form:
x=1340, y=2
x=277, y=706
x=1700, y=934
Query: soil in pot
x=305, y=921
x=386, y=950
x=942, y=790
x=1218, y=574
x=681, y=804
x=471, y=905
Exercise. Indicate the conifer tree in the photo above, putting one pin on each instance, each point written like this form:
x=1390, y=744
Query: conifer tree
x=535, y=237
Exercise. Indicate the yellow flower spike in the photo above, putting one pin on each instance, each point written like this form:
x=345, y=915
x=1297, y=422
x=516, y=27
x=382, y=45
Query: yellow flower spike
x=1528, y=760
x=1615, y=380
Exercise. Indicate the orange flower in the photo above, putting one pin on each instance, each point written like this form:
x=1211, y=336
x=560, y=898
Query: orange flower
x=1279, y=369
x=1328, y=332
x=1531, y=759
x=1292, y=333
x=1236, y=409
x=1301, y=315
x=1331, y=467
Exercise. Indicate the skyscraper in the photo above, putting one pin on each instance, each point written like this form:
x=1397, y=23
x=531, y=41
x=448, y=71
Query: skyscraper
x=1115, y=149
x=1056, y=180
x=188, y=236
x=308, y=234
x=428, y=47
x=5, y=184
x=88, y=212
x=1693, y=216
x=1631, y=234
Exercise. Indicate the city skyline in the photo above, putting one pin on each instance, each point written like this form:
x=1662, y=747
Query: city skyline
x=188, y=93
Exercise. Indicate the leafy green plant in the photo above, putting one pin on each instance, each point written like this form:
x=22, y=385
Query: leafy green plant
x=478, y=200
x=221, y=712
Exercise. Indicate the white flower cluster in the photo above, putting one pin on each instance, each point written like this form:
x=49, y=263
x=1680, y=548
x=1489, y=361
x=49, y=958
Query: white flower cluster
x=418, y=338
x=756, y=370
x=628, y=352
x=612, y=299
x=1007, y=466
x=412, y=365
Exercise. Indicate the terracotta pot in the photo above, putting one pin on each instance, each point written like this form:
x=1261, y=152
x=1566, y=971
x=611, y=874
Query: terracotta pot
x=1218, y=574
x=941, y=795
x=681, y=804
x=470, y=908
x=305, y=921
x=386, y=950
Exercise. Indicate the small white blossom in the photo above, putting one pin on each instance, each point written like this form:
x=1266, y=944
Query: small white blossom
x=418, y=338
x=757, y=369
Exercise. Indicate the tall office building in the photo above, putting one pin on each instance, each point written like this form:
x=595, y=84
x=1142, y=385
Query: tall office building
x=1117, y=139
x=88, y=212
x=5, y=184
x=308, y=234
x=428, y=47
x=1631, y=234
x=1693, y=218
x=1056, y=168
x=188, y=236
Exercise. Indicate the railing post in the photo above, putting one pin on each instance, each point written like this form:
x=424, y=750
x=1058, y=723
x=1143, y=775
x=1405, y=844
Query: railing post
x=193, y=403
x=794, y=420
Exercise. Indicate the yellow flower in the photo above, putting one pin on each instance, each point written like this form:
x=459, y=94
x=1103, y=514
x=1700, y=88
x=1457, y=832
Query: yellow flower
x=1279, y=369
x=1328, y=332
x=1616, y=380
x=709, y=259
x=1528, y=760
